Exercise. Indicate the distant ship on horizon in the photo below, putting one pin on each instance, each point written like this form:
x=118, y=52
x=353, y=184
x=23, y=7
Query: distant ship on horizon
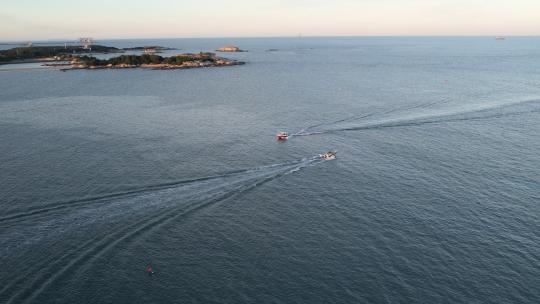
x=500, y=38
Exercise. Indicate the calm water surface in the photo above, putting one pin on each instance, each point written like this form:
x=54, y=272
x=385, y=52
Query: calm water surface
x=434, y=198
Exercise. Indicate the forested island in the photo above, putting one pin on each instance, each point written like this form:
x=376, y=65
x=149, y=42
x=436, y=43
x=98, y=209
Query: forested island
x=50, y=53
x=149, y=49
x=76, y=57
x=63, y=53
x=181, y=61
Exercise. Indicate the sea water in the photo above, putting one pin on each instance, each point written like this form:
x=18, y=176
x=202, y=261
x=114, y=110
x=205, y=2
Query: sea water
x=434, y=196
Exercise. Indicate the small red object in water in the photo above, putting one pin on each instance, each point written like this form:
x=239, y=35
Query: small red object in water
x=282, y=136
x=149, y=270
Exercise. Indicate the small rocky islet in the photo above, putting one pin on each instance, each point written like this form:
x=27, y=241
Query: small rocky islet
x=230, y=49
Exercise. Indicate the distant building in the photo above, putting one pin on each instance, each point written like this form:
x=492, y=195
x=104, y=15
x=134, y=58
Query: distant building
x=86, y=43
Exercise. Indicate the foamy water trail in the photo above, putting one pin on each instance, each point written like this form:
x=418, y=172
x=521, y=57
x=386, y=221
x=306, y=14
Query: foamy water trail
x=62, y=216
x=472, y=112
x=140, y=191
x=131, y=216
x=307, y=130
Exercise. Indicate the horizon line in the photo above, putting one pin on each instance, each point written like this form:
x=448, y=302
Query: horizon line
x=300, y=36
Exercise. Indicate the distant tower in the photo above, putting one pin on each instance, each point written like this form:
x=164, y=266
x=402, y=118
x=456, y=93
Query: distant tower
x=86, y=43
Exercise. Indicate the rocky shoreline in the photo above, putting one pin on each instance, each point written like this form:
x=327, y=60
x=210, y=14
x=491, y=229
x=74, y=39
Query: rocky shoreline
x=154, y=62
x=148, y=66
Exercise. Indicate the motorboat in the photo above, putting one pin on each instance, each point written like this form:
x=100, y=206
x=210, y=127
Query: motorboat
x=281, y=136
x=330, y=155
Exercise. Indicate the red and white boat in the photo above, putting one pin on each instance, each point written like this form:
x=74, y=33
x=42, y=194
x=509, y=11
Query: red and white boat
x=330, y=155
x=282, y=136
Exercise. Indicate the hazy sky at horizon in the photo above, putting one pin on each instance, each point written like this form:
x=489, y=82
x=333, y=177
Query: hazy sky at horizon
x=63, y=19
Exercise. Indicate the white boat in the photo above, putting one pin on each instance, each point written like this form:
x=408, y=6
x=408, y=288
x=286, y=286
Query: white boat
x=330, y=155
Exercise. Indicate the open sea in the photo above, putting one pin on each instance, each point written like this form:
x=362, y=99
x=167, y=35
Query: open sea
x=434, y=196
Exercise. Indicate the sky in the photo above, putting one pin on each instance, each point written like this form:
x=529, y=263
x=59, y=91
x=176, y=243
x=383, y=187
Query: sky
x=22, y=20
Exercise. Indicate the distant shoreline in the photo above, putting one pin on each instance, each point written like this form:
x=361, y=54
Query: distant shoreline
x=36, y=60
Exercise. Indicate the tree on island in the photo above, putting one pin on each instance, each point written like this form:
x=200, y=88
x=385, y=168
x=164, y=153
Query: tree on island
x=39, y=52
x=137, y=60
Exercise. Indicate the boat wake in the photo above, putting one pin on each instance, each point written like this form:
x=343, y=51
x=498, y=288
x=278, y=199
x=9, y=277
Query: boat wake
x=427, y=116
x=101, y=223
